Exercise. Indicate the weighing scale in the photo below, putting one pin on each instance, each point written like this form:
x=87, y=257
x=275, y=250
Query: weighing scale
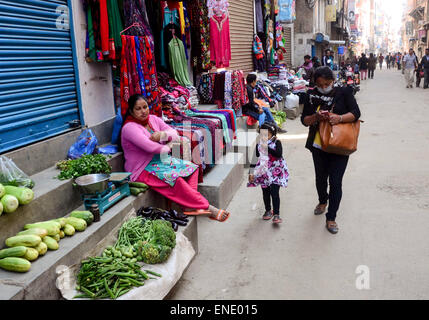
x=117, y=189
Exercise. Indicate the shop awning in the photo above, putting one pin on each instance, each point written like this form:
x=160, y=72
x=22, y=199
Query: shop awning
x=418, y=13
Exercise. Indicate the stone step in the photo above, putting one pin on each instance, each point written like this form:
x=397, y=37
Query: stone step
x=53, y=198
x=223, y=180
x=40, y=282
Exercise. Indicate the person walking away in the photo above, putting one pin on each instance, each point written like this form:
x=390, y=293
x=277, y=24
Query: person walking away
x=425, y=66
x=419, y=75
x=270, y=171
x=251, y=109
x=336, y=105
x=380, y=60
x=363, y=66
x=409, y=66
x=387, y=59
x=398, y=60
x=372, y=65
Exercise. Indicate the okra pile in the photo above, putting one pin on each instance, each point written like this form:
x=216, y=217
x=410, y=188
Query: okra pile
x=110, y=277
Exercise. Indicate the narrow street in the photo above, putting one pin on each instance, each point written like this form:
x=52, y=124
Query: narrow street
x=383, y=218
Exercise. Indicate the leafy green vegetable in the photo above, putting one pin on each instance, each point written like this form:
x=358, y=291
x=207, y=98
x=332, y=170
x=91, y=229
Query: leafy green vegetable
x=87, y=164
x=152, y=239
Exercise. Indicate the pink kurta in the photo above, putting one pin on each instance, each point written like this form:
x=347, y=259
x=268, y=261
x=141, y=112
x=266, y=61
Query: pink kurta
x=220, y=43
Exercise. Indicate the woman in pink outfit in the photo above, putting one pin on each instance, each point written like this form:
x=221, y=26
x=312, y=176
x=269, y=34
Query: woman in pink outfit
x=146, y=142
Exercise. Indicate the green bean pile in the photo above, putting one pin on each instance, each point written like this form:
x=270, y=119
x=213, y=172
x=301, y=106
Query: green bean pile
x=107, y=277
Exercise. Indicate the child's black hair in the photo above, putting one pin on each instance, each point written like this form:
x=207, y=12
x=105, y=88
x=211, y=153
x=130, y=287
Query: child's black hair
x=270, y=127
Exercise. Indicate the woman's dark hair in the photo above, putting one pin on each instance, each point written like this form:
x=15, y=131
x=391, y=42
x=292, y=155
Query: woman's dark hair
x=270, y=127
x=307, y=57
x=250, y=78
x=324, y=72
x=131, y=104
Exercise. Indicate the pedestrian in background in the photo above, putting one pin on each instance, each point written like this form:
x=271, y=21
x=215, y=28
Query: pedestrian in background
x=269, y=171
x=316, y=62
x=388, y=61
x=336, y=105
x=399, y=60
x=419, y=75
x=425, y=67
x=363, y=66
x=372, y=65
x=380, y=60
x=409, y=66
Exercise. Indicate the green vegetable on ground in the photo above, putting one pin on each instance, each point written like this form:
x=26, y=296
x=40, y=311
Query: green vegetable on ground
x=51, y=243
x=35, y=231
x=139, y=185
x=18, y=251
x=10, y=203
x=2, y=191
x=31, y=254
x=51, y=227
x=1, y=208
x=85, y=215
x=87, y=164
x=137, y=191
x=29, y=240
x=69, y=230
x=15, y=264
x=42, y=248
x=24, y=195
x=77, y=223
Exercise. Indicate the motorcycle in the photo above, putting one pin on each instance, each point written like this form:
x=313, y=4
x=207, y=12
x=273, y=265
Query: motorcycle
x=346, y=77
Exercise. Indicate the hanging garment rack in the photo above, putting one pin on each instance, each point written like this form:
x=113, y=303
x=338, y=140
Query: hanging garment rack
x=135, y=24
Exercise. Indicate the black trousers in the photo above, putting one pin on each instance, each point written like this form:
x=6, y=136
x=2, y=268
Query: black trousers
x=371, y=73
x=329, y=166
x=272, y=192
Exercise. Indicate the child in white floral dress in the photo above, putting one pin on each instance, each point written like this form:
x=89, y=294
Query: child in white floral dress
x=270, y=172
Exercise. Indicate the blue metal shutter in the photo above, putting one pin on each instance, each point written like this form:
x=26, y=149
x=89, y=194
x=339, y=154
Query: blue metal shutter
x=38, y=94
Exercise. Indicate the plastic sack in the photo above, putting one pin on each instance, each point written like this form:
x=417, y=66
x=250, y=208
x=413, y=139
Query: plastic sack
x=153, y=289
x=85, y=144
x=11, y=175
x=110, y=149
x=117, y=125
x=292, y=101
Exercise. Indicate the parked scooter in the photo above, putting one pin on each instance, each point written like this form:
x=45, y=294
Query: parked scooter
x=346, y=77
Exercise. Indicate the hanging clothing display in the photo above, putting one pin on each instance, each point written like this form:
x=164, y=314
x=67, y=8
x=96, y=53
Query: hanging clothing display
x=135, y=13
x=170, y=21
x=138, y=73
x=104, y=24
x=259, y=16
x=220, y=43
x=200, y=35
x=178, y=64
x=228, y=91
x=217, y=7
x=287, y=11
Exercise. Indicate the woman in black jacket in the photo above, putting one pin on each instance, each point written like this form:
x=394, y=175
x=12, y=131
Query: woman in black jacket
x=344, y=108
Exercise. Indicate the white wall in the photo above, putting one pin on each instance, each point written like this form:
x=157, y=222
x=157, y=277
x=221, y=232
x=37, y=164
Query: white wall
x=302, y=49
x=95, y=78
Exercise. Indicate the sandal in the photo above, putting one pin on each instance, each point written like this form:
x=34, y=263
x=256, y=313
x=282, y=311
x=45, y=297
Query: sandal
x=268, y=215
x=332, y=227
x=320, y=209
x=277, y=219
x=197, y=212
x=219, y=216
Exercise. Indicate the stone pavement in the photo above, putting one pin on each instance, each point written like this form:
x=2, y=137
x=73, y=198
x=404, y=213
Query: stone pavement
x=383, y=217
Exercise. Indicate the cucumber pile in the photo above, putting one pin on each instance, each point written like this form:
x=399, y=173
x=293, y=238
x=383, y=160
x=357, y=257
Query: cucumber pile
x=12, y=197
x=37, y=238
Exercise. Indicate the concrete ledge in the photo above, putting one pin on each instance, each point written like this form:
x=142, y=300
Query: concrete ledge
x=53, y=198
x=40, y=282
x=222, y=181
x=41, y=155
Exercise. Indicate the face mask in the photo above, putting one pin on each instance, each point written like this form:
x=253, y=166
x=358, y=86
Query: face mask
x=326, y=90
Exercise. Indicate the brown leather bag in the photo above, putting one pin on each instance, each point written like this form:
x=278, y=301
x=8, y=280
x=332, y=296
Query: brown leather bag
x=341, y=138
